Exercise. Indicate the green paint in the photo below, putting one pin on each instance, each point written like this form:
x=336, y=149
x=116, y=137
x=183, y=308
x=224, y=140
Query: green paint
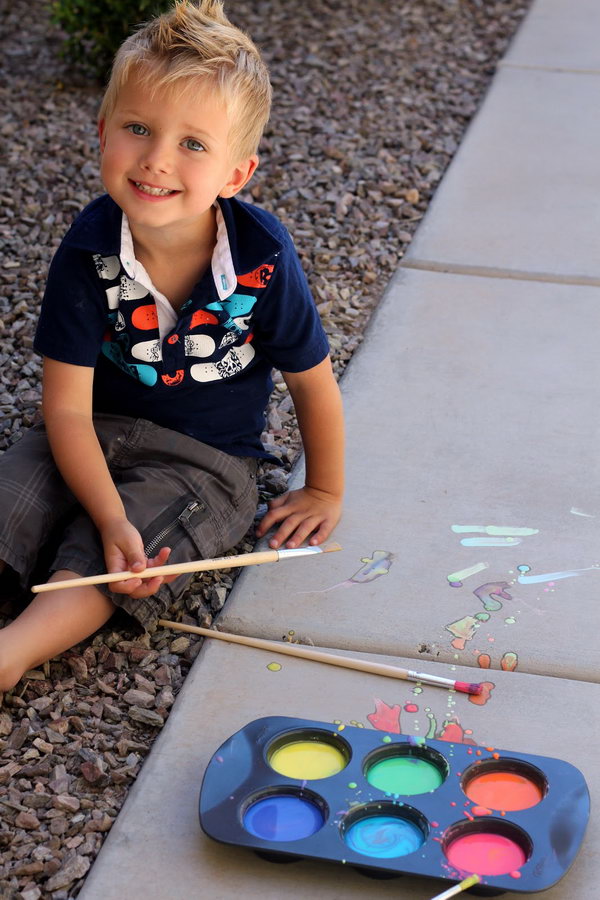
x=404, y=775
x=432, y=725
x=387, y=739
x=352, y=784
x=465, y=573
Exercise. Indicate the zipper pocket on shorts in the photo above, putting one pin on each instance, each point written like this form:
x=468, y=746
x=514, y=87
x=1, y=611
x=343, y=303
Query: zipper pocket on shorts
x=182, y=519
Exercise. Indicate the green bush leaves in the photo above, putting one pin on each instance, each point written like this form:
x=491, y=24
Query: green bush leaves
x=96, y=28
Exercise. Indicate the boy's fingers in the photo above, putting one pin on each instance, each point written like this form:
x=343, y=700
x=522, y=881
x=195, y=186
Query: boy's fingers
x=161, y=557
x=274, y=515
x=304, y=529
x=125, y=587
x=148, y=587
x=321, y=535
x=279, y=500
x=294, y=530
x=289, y=523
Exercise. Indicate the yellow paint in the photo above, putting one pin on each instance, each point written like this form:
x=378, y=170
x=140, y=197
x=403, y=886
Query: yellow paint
x=274, y=667
x=307, y=760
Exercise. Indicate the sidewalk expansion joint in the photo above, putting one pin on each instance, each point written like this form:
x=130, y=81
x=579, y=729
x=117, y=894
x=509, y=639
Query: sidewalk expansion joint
x=429, y=265
x=560, y=69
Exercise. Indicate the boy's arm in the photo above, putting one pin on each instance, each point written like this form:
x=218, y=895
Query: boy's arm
x=67, y=409
x=315, y=509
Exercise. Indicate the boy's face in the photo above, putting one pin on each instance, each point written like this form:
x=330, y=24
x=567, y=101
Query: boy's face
x=165, y=156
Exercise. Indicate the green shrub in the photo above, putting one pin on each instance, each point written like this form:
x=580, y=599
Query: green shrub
x=96, y=28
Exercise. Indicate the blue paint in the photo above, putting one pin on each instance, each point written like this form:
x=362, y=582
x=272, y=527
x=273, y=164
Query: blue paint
x=384, y=837
x=551, y=576
x=490, y=542
x=283, y=817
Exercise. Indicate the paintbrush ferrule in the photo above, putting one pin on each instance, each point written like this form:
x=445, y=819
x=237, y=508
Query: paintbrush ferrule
x=431, y=679
x=288, y=553
x=462, y=686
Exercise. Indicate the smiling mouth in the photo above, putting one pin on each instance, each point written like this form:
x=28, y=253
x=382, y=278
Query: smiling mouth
x=153, y=191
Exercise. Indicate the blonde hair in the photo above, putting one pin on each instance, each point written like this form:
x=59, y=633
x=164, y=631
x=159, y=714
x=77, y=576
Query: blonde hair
x=196, y=41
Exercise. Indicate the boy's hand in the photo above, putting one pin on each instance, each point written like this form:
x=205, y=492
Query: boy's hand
x=302, y=512
x=124, y=551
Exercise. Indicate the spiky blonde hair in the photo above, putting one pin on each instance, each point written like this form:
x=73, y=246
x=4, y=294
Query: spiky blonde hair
x=196, y=42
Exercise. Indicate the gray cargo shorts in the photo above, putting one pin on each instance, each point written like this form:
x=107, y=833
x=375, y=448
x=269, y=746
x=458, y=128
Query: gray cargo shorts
x=177, y=491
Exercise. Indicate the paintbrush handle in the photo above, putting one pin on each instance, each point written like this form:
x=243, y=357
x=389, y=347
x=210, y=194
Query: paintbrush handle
x=458, y=888
x=200, y=565
x=346, y=662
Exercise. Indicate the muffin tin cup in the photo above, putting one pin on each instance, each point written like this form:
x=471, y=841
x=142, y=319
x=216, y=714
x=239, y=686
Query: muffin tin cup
x=394, y=804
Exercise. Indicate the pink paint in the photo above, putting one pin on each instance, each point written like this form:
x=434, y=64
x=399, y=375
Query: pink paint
x=386, y=718
x=485, y=853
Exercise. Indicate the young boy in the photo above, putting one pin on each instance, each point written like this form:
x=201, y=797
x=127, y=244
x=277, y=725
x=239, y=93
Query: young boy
x=167, y=305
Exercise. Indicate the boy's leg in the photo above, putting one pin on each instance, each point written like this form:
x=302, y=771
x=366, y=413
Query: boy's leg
x=53, y=622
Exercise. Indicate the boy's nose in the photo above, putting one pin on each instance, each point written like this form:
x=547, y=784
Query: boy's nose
x=157, y=158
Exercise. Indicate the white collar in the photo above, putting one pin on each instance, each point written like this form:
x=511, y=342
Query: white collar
x=223, y=272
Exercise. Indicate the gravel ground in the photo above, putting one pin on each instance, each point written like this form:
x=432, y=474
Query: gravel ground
x=371, y=101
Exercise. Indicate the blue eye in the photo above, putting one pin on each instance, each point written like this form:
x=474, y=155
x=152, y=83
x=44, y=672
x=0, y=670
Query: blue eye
x=192, y=144
x=138, y=129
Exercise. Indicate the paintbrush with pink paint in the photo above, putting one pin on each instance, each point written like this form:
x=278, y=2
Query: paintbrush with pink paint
x=332, y=659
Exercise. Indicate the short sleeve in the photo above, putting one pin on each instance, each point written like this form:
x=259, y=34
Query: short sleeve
x=287, y=326
x=73, y=316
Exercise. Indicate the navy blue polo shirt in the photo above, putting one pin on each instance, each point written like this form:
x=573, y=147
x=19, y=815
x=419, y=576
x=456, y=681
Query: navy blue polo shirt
x=207, y=373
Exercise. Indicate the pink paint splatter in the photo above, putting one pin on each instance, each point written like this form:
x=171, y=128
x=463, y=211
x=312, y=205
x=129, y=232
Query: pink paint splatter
x=385, y=718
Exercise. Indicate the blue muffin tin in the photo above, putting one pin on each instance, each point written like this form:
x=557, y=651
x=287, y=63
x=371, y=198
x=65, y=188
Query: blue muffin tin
x=245, y=802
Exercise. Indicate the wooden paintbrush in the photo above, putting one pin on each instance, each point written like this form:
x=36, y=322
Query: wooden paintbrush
x=199, y=565
x=346, y=662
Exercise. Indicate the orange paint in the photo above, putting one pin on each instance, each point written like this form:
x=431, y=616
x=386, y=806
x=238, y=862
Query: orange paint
x=486, y=692
x=503, y=790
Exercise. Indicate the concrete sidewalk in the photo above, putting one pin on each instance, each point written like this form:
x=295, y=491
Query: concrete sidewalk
x=471, y=533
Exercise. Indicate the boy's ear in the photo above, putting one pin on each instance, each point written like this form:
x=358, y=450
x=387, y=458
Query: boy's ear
x=102, y=134
x=240, y=176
